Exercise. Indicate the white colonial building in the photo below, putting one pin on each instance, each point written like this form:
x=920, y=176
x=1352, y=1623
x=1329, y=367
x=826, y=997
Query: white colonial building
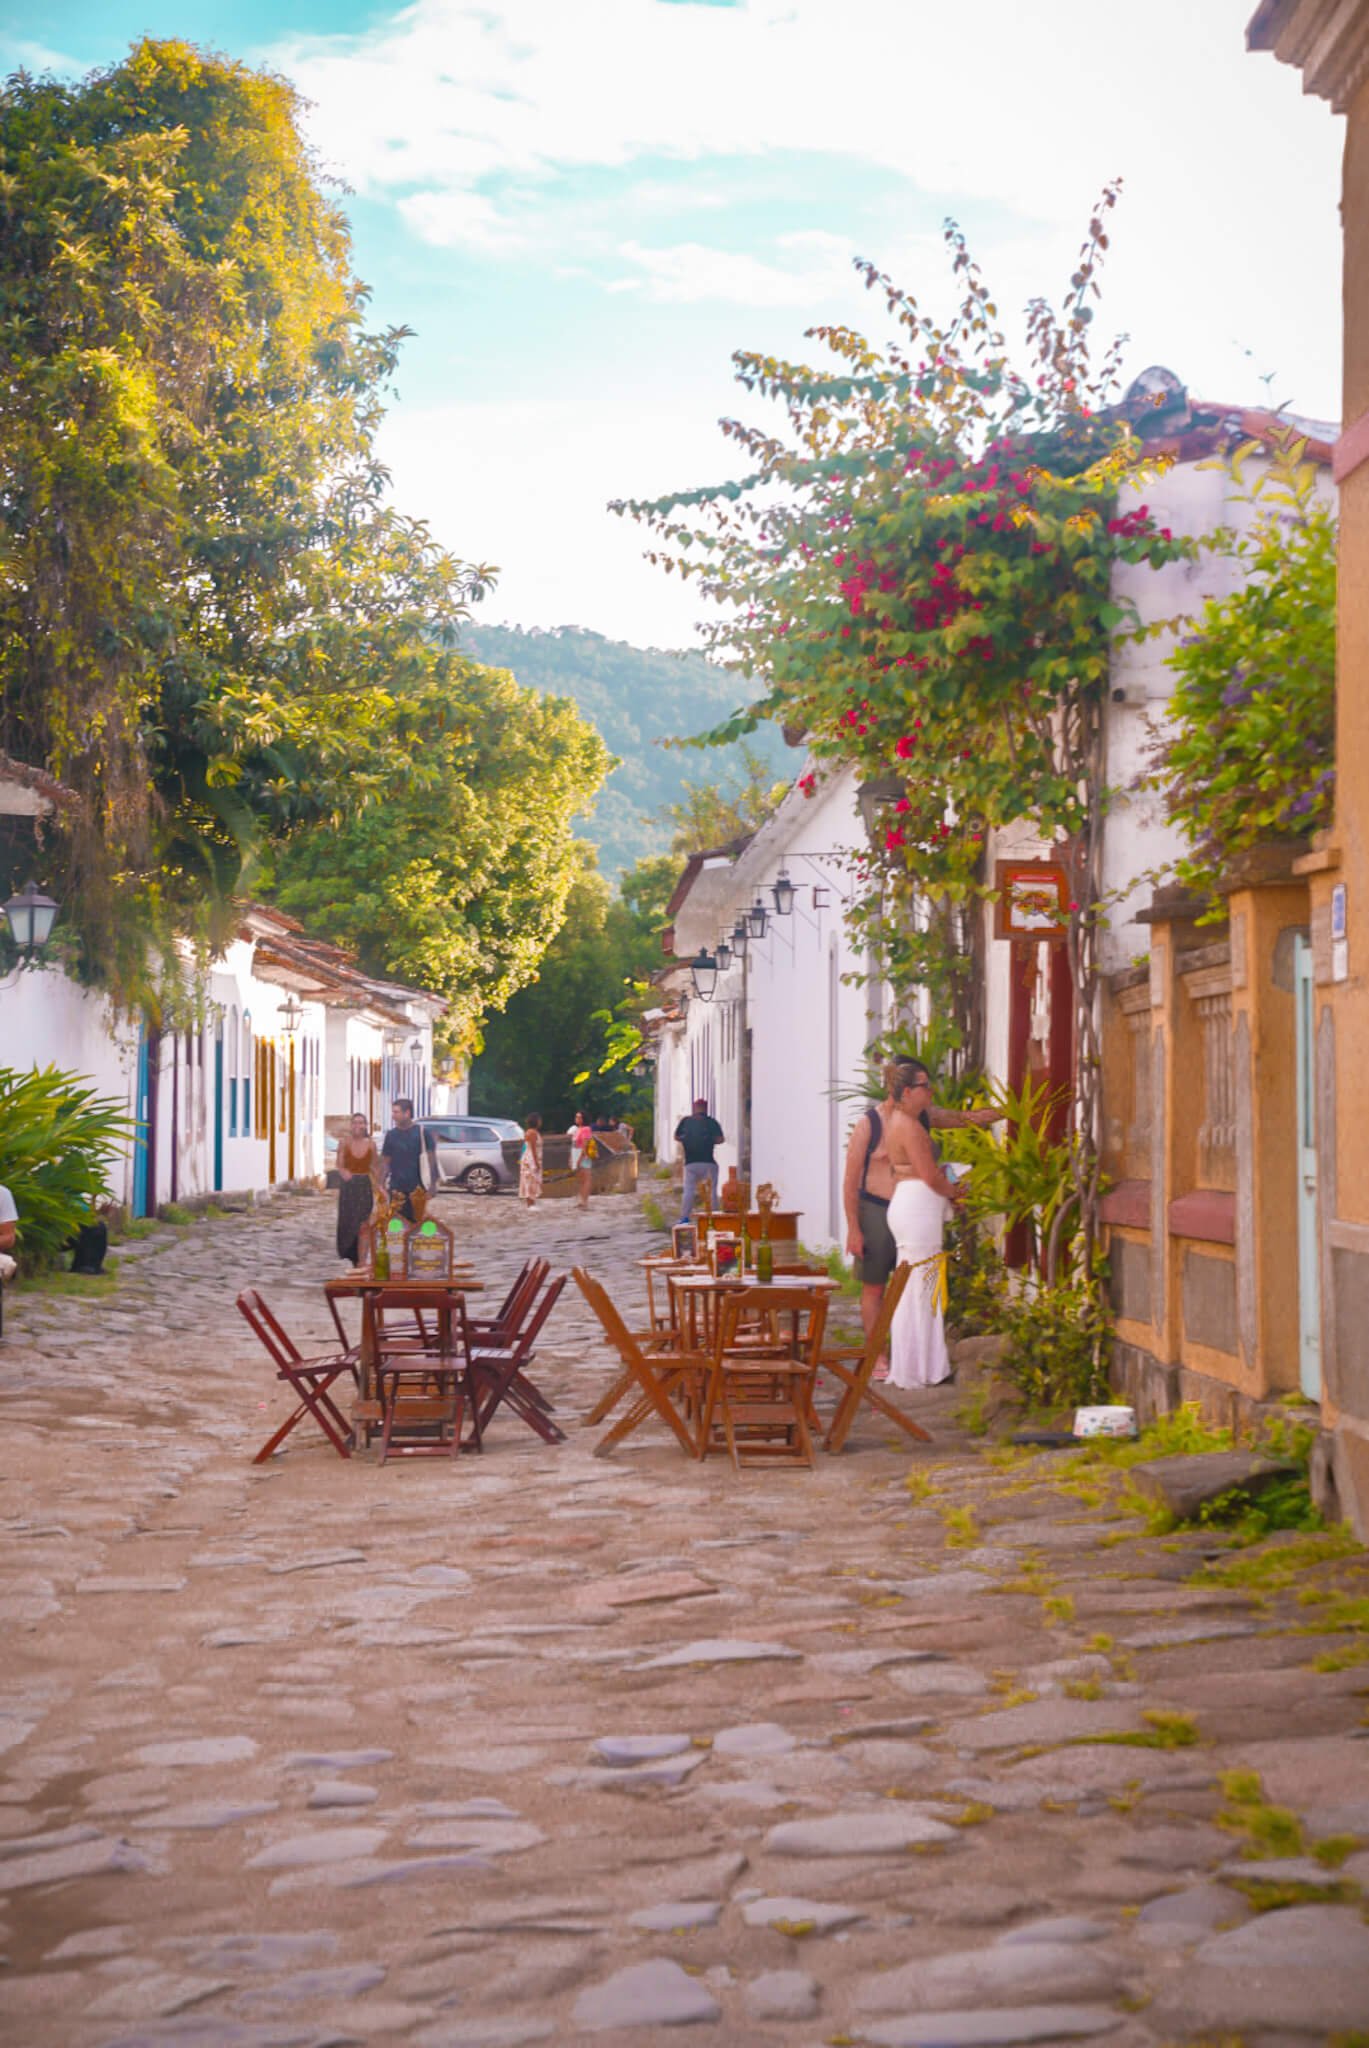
x=781, y=1050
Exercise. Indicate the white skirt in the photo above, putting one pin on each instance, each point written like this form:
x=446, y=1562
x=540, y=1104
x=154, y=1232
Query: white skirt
x=917, y=1343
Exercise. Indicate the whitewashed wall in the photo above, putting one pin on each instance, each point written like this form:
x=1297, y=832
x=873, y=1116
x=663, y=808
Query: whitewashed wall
x=48, y=1021
x=810, y=1027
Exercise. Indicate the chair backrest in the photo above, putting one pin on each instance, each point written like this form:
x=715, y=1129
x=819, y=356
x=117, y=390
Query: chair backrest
x=760, y=1299
x=878, y=1342
x=438, y=1302
x=614, y=1328
x=284, y=1352
x=528, y=1337
x=522, y=1295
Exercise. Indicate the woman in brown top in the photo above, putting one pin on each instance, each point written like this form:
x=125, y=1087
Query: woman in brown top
x=357, y=1164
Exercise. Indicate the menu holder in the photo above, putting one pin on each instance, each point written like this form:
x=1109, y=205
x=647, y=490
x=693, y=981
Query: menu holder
x=428, y=1251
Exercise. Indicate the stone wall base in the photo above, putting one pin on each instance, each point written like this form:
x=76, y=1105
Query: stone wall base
x=1153, y=1389
x=1339, y=1478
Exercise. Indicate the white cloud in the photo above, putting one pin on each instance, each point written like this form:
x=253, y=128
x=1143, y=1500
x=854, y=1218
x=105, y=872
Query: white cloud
x=1228, y=220
x=526, y=484
x=456, y=219
x=573, y=131
x=688, y=272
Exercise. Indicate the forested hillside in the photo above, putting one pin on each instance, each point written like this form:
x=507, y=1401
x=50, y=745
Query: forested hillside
x=636, y=697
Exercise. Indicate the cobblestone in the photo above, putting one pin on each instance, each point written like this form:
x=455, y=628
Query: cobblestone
x=538, y=1747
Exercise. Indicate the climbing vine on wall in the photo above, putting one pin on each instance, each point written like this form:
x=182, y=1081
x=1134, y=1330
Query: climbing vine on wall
x=918, y=574
x=1249, y=756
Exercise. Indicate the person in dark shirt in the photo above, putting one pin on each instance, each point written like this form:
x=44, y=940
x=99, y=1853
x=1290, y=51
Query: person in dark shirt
x=697, y=1135
x=402, y=1154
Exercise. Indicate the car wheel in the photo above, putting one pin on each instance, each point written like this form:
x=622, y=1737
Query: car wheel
x=480, y=1180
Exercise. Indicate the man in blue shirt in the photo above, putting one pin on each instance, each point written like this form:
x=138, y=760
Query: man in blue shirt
x=403, y=1154
x=698, y=1134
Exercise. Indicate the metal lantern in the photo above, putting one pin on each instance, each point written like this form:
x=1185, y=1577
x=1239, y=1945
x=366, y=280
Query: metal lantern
x=415, y=1049
x=757, y=918
x=740, y=935
x=30, y=915
x=782, y=889
x=703, y=972
x=724, y=955
x=292, y=1013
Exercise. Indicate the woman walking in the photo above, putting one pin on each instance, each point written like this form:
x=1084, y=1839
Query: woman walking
x=357, y=1164
x=530, y=1161
x=917, y=1215
x=583, y=1151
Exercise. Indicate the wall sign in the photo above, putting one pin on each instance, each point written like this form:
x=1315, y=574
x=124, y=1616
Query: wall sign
x=1033, y=900
x=1340, y=934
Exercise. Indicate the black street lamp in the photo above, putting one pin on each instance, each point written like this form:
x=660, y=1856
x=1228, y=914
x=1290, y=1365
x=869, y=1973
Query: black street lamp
x=292, y=1013
x=782, y=889
x=723, y=951
x=740, y=935
x=703, y=972
x=757, y=918
x=30, y=916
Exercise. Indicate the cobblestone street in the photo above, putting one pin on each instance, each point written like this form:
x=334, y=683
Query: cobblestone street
x=927, y=1746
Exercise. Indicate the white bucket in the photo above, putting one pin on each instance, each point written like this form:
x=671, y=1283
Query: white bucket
x=1105, y=1422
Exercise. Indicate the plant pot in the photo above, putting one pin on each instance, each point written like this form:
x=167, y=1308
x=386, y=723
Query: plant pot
x=89, y=1246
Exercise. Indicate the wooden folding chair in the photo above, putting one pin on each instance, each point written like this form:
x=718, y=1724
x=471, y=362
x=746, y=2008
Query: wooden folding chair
x=508, y=1317
x=761, y=1382
x=660, y=1335
x=500, y=1374
x=308, y=1378
x=658, y=1376
x=424, y=1389
x=854, y=1366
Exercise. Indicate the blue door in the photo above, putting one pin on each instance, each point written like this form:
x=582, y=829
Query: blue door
x=140, y=1141
x=218, y=1106
x=1309, y=1264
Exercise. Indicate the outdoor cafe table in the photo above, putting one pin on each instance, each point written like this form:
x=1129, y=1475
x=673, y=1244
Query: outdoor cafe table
x=365, y=1286
x=698, y=1296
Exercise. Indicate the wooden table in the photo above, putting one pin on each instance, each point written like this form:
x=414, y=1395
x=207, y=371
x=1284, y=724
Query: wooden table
x=364, y=1286
x=698, y=1296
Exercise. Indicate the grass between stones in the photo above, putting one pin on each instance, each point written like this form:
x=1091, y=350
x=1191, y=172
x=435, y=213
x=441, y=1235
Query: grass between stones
x=962, y=1530
x=1162, y=1731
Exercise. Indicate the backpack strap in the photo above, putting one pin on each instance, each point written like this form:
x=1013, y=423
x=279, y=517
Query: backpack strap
x=876, y=1133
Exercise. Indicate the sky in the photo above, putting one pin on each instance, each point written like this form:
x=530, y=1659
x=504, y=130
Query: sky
x=583, y=207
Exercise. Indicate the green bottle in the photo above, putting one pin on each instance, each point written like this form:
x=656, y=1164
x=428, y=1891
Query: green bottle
x=765, y=1261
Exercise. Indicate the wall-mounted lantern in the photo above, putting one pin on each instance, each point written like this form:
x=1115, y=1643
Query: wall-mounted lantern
x=30, y=916
x=703, y=972
x=292, y=1013
x=723, y=955
x=782, y=889
x=757, y=918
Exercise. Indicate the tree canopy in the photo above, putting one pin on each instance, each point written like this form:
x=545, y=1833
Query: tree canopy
x=568, y=1041
x=457, y=875
x=1249, y=749
x=640, y=699
x=210, y=615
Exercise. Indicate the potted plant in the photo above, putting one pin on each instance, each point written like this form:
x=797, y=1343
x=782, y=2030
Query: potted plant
x=91, y=1242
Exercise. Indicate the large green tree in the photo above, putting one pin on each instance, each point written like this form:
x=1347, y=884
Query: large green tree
x=457, y=876
x=567, y=1041
x=208, y=609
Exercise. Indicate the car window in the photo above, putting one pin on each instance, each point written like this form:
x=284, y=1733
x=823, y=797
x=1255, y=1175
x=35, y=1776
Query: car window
x=470, y=1134
x=446, y=1132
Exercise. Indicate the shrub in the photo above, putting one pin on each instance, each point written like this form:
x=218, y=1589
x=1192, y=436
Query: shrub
x=976, y=1279
x=58, y=1141
x=1056, y=1353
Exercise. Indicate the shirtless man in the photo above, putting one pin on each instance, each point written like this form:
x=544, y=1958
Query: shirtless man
x=868, y=1183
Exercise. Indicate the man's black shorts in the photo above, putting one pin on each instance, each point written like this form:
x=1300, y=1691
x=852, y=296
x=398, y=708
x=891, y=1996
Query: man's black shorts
x=881, y=1254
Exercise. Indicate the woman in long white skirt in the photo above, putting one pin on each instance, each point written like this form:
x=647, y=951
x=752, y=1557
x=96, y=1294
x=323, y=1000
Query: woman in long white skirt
x=917, y=1219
